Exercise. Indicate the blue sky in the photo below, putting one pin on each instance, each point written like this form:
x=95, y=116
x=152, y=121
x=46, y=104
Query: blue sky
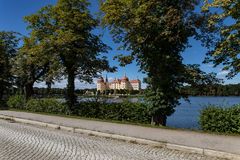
x=11, y=19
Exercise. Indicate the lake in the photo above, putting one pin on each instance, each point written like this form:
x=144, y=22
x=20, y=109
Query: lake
x=187, y=114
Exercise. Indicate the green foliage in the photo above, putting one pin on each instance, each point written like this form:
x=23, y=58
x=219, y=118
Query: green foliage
x=46, y=105
x=16, y=102
x=130, y=112
x=8, y=49
x=126, y=111
x=30, y=65
x=222, y=120
x=65, y=33
x=156, y=33
x=213, y=90
x=222, y=35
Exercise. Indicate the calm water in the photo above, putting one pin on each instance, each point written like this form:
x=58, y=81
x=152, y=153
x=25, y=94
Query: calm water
x=187, y=114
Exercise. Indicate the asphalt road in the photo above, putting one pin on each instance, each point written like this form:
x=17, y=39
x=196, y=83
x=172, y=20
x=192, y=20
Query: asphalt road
x=25, y=142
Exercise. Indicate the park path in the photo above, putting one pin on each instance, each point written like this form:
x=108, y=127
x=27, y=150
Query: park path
x=228, y=144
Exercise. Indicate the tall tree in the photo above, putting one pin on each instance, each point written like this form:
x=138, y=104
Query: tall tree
x=156, y=32
x=30, y=65
x=8, y=48
x=223, y=34
x=68, y=28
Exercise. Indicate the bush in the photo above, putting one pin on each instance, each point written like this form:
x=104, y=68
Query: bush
x=222, y=120
x=47, y=105
x=16, y=102
x=131, y=112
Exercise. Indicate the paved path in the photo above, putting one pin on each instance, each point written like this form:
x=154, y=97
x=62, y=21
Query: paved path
x=229, y=144
x=24, y=142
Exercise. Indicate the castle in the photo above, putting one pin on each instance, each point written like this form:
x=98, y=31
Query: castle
x=118, y=84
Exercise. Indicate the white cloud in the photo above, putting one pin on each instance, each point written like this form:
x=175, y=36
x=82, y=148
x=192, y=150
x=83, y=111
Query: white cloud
x=63, y=84
x=144, y=85
x=40, y=85
x=210, y=65
x=110, y=78
x=222, y=73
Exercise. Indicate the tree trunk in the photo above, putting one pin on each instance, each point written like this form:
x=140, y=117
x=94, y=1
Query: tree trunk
x=21, y=89
x=1, y=93
x=49, y=87
x=71, y=99
x=159, y=120
x=29, y=90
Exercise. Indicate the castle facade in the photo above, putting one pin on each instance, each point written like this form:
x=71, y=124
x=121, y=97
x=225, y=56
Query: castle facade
x=117, y=84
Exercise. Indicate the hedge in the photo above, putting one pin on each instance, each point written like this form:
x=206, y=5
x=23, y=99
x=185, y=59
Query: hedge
x=222, y=120
x=126, y=111
x=16, y=102
x=47, y=105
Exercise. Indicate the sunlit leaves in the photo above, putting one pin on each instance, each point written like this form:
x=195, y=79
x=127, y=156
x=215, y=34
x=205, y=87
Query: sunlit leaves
x=156, y=33
x=64, y=34
x=225, y=46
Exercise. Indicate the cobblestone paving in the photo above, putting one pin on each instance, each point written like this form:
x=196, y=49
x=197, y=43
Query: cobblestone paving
x=24, y=142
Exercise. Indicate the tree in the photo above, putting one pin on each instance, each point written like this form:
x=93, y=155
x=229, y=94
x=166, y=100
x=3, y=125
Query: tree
x=200, y=80
x=68, y=28
x=223, y=34
x=156, y=32
x=4, y=71
x=196, y=77
x=31, y=65
x=8, y=48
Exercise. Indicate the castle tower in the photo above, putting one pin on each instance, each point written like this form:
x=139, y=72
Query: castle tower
x=106, y=79
x=100, y=84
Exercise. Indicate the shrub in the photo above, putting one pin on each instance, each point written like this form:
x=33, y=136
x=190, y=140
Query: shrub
x=16, y=102
x=131, y=112
x=223, y=120
x=47, y=105
x=126, y=111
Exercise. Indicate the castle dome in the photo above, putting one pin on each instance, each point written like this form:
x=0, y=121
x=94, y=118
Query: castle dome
x=125, y=78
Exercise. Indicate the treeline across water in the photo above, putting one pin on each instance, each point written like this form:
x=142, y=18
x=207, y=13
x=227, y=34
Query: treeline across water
x=213, y=90
x=87, y=92
x=207, y=90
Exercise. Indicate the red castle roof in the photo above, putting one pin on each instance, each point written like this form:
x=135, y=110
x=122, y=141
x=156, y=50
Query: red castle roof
x=135, y=81
x=124, y=79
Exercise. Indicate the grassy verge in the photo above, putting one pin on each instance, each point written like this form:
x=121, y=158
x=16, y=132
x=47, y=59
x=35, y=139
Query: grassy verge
x=93, y=119
x=125, y=122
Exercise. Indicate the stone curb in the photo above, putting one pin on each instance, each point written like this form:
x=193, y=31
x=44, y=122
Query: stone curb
x=202, y=151
x=230, y=156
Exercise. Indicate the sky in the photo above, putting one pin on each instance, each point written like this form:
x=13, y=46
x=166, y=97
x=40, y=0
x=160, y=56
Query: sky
x=11, y=19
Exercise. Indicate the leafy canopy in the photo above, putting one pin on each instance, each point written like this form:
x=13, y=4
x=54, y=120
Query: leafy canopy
x=224, y=28
x=8, y=48
x=156, y=32
x=66, y=31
